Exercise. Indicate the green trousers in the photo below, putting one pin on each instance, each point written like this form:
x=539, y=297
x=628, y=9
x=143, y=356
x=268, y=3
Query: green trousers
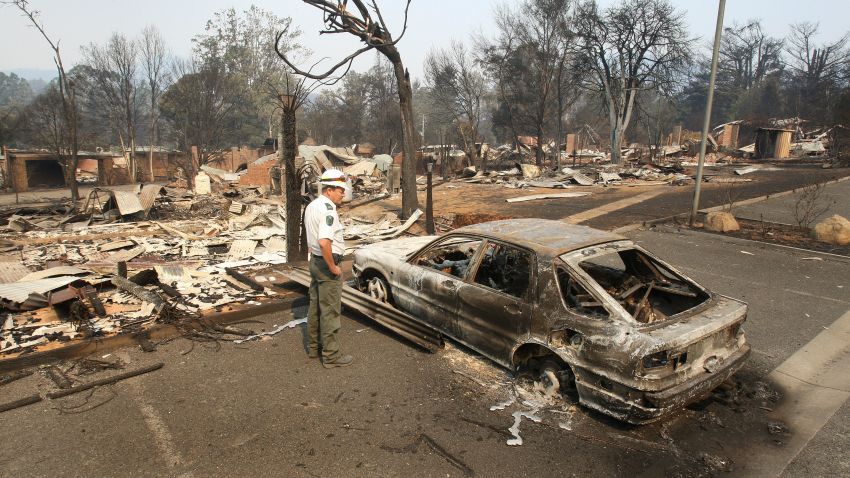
x=324, y=311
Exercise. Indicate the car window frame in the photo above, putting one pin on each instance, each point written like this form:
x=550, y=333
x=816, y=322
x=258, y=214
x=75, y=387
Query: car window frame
x=473, y=262
x=529, y=293
x=591, y=287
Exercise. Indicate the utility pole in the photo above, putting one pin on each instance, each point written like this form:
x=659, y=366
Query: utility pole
x=707, y=122
x=423, y=129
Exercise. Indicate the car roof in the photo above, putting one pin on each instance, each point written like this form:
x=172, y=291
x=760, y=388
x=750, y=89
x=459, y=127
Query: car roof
x=542, y=235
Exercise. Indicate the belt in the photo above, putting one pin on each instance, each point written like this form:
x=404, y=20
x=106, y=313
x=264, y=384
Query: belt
x=337, y=258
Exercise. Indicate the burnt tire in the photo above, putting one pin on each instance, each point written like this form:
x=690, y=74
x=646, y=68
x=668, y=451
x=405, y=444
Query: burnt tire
x=378, y=289
x=555, y=377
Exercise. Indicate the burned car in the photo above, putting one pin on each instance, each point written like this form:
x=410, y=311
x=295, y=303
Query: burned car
x=585, y=310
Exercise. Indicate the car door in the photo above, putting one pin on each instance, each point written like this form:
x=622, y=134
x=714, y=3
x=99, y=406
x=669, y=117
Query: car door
x=432, y=278
x=495, y=305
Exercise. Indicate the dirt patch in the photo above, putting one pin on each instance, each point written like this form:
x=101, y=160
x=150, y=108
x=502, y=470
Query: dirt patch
x=784, y=235
x=461, y=220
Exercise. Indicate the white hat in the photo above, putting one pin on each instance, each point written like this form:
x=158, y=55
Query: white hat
x=333, y=177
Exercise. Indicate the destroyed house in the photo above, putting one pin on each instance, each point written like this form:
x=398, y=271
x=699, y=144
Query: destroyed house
x=28, y=170
x=772, y=143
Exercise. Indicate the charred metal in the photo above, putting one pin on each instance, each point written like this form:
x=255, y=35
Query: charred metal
x=597, y=314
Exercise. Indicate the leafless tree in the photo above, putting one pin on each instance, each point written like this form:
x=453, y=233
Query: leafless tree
x=458, y=87
x=636, y=45
x=67, y=97
x=810, y=204
x=530, y=54
x=115, y=69
x=366, y=22
x=748, y=55
x=817, y=69
x=154, y=55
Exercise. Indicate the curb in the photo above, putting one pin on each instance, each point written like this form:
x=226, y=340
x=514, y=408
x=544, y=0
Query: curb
x=745, y=202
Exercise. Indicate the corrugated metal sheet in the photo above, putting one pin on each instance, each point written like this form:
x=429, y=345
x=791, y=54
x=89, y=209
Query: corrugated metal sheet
x=241, y=248
x=54, y=272
x=112, y=246
x=783, y=144
x=18, y=292
x=127, y=202
x=169, y=273
x=149, y=194
x=12, y=272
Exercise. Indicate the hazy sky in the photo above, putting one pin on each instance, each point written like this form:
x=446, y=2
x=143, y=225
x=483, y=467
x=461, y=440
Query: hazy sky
x=432, y=23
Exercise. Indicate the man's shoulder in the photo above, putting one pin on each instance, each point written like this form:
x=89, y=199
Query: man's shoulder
x=316, y=203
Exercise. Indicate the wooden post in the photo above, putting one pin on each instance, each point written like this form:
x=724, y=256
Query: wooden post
x=429, y=201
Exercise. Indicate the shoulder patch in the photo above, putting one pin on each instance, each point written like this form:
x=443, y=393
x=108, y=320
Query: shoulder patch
x=330, y=208
x=329, y=220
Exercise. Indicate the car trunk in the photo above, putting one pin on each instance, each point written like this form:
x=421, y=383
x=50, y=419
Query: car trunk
x=699, y=343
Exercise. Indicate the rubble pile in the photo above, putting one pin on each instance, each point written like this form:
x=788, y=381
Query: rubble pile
x=64, y=275
x=525, y=175
x=125, y=260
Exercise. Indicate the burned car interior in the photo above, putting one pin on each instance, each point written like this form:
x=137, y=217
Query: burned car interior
x=647, y=289
x=505, y=269
x=453, y=256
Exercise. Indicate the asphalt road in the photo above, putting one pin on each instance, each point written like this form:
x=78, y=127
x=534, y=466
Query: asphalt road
x=832, y=199
x=264, y=409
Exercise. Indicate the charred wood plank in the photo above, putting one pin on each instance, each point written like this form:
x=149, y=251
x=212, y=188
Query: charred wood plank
x=244, y=279
x=91, y=295
x=20, y=403
x=140, y=292
x=9, y=378
x=170, y=291
x=59, y=378
x=105, y=381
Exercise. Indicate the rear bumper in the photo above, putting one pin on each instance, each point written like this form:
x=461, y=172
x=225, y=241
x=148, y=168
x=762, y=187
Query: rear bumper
x=638, y=407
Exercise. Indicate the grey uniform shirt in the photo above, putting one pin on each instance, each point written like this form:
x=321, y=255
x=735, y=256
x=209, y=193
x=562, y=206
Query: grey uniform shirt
x=322, y=222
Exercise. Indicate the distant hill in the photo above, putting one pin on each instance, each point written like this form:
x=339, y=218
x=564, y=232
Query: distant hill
x=34, y=73
x=38, y=85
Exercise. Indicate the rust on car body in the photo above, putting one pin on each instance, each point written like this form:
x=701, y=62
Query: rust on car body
x=635, y=338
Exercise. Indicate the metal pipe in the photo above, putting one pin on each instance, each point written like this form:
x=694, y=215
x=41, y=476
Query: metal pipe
x=707, y=122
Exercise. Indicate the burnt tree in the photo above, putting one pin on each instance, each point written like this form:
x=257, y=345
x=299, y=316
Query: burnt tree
x=635, y=46
x=375, y=34
x=68, y=97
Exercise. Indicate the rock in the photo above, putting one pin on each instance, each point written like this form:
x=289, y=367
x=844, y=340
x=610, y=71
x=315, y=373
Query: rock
x=721, y=222
x=834, y=230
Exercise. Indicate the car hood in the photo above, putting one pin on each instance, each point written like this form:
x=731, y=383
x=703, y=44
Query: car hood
x=400, y=248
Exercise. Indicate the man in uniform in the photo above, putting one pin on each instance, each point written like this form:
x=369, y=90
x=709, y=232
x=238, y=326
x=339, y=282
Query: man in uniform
x=324, y=238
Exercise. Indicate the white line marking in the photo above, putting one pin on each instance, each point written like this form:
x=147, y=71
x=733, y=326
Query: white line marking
x=162, y=437
x=610, y=207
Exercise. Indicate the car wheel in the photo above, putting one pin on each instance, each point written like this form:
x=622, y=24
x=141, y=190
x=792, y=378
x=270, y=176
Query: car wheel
x=378, y=289
x=554, y=377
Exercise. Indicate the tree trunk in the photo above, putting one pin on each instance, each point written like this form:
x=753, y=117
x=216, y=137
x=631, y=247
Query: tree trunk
x=289, y=182
x=153, y=141
x=409, y=200
x=616, y=137
x=538, y=154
